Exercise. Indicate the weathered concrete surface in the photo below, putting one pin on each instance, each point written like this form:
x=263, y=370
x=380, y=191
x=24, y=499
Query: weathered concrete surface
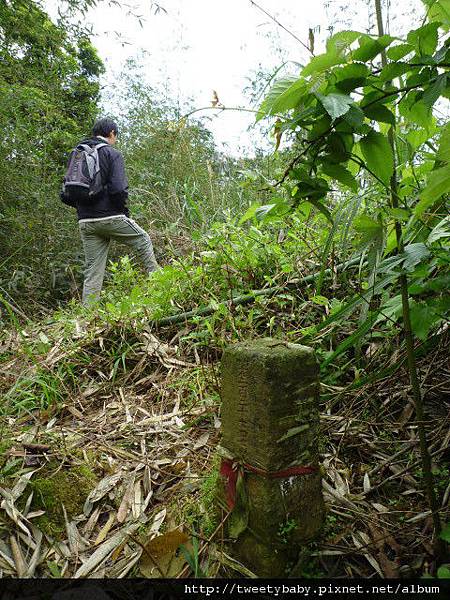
x=270, y=420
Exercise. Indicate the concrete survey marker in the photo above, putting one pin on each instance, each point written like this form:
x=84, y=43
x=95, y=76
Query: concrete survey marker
x=270, y=478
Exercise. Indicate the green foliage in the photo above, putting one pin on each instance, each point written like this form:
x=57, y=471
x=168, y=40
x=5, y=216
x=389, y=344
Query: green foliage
x=378, y=155
x=49, y=92
x=345, y=91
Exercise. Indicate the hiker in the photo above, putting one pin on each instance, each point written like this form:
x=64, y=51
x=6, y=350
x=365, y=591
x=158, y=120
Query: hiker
x=96, y=185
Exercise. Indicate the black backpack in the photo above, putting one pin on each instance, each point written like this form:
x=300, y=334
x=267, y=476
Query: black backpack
x=83, y=179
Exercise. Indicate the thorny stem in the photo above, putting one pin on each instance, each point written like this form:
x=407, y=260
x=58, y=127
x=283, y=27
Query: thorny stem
x=412, y=364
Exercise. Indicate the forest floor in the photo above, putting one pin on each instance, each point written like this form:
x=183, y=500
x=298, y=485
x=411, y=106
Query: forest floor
x=109, y=430
x=118, y=466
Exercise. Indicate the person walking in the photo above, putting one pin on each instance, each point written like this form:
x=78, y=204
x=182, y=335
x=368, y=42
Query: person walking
x=97, y=186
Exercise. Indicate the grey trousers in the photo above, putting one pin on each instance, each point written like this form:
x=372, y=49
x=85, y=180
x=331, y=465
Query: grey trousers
x=96, y=236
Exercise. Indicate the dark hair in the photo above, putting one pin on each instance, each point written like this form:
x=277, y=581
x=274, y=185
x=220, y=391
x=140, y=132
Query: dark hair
x=104, y=127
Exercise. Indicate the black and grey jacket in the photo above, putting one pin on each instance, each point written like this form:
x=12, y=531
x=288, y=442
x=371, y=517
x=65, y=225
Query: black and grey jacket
x=113, y=199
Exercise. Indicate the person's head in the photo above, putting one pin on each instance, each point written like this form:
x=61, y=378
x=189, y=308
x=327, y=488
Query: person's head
x=107, y=128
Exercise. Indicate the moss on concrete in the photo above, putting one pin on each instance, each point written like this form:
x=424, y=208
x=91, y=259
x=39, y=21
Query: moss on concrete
x=270, y=420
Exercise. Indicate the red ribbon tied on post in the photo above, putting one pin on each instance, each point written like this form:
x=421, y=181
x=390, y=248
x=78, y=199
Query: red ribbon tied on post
x=230, y=470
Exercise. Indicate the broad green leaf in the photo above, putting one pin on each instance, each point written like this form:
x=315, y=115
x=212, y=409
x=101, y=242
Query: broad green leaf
x=414, y=254
x=417, y=137
x=423, y=317
x=370, y=47
x=393, y=70
x=339, y=147
x=399, y=214
x=249, y=213
x=424, y=39
x=351, y=71
x=432, y=93
x=342, y=40
x=439, y=11
x=272, y=210
x=351, y=76
x=366, y=224
x=379, y=112
x=283, y=95
x=320, y=127
x=413, y=109
x=336, y=105
x=438, y=184
x=354, y=117
x=341, y=174
x=399, y=51
x=379, y=96
x=322, y=62
x=378, y=155
x=442, y=230
x=391, y=310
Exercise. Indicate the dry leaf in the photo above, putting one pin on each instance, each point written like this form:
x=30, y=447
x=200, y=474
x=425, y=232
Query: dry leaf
x=104, y=486
x=202, y=441
x=157, y=522
x=160, y=557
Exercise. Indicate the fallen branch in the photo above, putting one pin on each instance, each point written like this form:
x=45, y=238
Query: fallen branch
x=247, y=298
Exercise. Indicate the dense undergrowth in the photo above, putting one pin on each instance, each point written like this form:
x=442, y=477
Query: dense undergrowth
x=160, y=386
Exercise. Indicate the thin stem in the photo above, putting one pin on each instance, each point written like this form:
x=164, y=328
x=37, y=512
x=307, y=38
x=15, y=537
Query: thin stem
x=282, y=26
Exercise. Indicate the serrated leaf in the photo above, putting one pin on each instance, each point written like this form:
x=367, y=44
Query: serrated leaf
x=424, y=39
x=440, y=11
x=379, y=112
x=350, y=76
x=370, y=47
x=417, y=137
x=393, y=70
x=399, y=51
x=283, y=95
x=336, y=105
x=378, y=155
x=341, y=174
x=342, y=40
x=354, y=117
x=322, y=62
x=432, y=93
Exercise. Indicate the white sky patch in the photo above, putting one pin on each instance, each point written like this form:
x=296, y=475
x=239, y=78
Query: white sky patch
x=205, y=45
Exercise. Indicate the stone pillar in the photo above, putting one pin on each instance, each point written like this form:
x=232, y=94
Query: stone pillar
x=270, y=420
